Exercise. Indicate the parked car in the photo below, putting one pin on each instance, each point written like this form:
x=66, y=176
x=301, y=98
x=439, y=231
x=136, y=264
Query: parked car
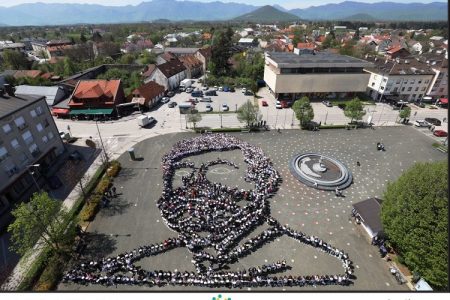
x=433, y=121
x=264, y=103
x=421, y=123
x=172, y=104
x=220, y=89
x=206, y=99
x=205, y=88
x=211, y=93
x=248, y=93
x=226, y=89
x=284, y=104
x=225, y=107
x=193, y=100
x=197, y=94
x=189, y=90
x=244, y=90
x=170, y=94
x=232, y=90
x=278, y=105
x=440, y=133
x=209, y=107
x=327, y=103
x=165, y=99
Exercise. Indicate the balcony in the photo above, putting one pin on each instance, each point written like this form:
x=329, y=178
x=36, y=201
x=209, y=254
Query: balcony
x=22, y=126
x=28, y=140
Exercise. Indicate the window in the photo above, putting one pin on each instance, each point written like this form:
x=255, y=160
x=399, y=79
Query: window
x=412, y=81
x=423, y=89
x=33, y=150
x=416, y=89
x=45, y=139
x=373, y=83
x=384, y=79
x=15, y=144
x=23, y=158
x=419, y=82
x=409, y=89
x=441, y=90
x=7, y=128
x=39, y=127
x=398, y=81
x=426, y=81
x=20, y=122
x=403, y=89
x=11, y=170
x=50, y=135
x=33, y=113
x=420, y=96
x=395, y=90
x=27, y=137
x=3, y=153
x=46, y=123
x=382, y=88
x=39, y=110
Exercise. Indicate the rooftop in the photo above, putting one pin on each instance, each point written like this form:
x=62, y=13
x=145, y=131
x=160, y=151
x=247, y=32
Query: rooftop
x=12, y=104
x=318, y=60
x=91, y=89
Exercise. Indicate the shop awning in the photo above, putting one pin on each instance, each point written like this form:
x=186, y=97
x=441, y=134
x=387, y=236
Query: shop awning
x=443, y=100
x=60, y=111
x=92, y=111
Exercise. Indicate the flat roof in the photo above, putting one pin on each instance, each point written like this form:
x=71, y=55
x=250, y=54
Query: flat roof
x=12, y=104
x=318, y=60
x=370, y=211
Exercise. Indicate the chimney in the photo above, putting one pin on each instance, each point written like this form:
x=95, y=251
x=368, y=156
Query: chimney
x=9, y=89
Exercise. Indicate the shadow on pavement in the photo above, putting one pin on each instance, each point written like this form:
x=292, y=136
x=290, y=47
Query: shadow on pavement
x=116, y=206
x=98, y=245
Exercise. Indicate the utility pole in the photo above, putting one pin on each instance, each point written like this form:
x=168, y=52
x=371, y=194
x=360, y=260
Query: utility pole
x=101, y=141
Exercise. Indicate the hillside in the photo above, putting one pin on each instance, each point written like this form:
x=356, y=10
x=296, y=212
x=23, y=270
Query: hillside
x=267, y=14
x=360, y=17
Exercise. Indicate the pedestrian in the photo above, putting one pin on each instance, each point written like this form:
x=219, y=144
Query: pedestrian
x=114, y=191
x=358, y=163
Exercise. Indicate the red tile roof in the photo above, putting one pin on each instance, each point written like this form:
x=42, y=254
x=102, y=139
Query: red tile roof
x=148, y=91
x=94, y=89
x=311, y=46
x=171, y=68
x=190, y=61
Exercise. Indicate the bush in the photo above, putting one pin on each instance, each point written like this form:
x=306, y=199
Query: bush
x=91, y=208
x=114, y=169
x=51, y=275
x=103, y=186
x=333, y=126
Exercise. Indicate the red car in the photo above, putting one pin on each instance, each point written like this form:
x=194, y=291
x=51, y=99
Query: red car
x=264, y=103
x=440, y=133
x=284, y=104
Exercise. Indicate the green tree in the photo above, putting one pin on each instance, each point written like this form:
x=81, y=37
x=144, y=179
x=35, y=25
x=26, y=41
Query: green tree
x=69, y=67
x=405, y=113
x=14, y=60
x=127, y=59
x=354, y=109
x=303, y=110
x=83, y=38
x=42, y=220
x=221, y=52
x=248, y=113
x=148, y=58
x=414, y=215
x=194, y=117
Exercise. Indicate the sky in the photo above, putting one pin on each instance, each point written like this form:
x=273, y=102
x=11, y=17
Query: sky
x=289, y=4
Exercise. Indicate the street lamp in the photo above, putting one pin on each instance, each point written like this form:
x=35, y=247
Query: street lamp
x=32, y=174
x=101, y=141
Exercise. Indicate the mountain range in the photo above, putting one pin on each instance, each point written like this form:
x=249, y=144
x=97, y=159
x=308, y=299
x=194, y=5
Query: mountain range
x=58, y=14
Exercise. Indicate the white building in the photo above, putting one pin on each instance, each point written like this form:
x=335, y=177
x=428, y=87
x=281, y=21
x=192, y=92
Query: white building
x=407, y=79
x=290, y=76
x=168, y=74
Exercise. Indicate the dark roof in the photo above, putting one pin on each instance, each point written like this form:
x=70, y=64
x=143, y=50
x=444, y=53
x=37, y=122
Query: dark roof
x=321, y=59
x=409, y=66
x=12, y=104
x=149, y=90
x=370, y=213
x=206, y=52
x=171, y=68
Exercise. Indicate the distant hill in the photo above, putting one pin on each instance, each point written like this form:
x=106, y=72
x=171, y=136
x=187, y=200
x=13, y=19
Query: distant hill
x=173, y=10
x=360, y=17
x=267, y=14
x=386, y=11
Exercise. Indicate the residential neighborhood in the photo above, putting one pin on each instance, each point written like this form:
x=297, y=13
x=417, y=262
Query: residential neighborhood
x=262, y=151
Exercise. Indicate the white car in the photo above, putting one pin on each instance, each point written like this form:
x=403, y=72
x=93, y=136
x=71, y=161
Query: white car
x=244, y=90
x=225, y=107
x=209, y=107
x=421, y=123
x=165, y=99
x=278, y=105
x=205, y=88
x=189, y=90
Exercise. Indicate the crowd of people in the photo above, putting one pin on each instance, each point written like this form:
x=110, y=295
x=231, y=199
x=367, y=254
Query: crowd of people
x=212, y=217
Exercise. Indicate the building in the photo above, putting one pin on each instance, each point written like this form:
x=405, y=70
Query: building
x=194, y=66
x=408, y=79
x=148, y=95
x=181, y=51
x=28, y=136
x=290, y=76
x=96, y=97
x=204, y=55
x=9, y=45
x=398, y=51
x=439, y=85
x=247, y=42
x=369, y=212
x=53, y=94
x=165, y=57
x=168, y=74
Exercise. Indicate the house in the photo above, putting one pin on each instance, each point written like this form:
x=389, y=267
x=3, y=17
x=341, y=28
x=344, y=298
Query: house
x=52, y=94
x=247, y=42
x=165, y=57
x=96, y=97
x=148, y=94
x=305, y=48
x=9, y=45
x=204, y=55
x=137, y=46
x=180, y=51
x=194, y=66
x=168, y=74
x=415, y=46
x=27, y=73
x=148, y=70
x=439, y=84
x=369, y=212
x=395, y=52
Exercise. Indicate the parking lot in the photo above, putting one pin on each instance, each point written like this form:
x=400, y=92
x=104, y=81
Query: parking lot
x=133, y=219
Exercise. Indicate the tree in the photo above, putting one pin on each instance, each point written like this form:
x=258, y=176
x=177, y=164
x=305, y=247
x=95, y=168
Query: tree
x=414, y=215
x=221, y=52
x=354, y=109
x=83, y=38
x=249, y=113
x=148, y=58
x=42, y=220
x=405, y=113
x=69, y=67
x=303, y=111
x=194, y=117
x=14, y=60
x=127, y=59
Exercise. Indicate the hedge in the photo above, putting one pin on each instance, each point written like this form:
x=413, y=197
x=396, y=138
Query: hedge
x=91, y=208
x=333, y=126
x=103, y=186
x=114, y=169
x=51, y=275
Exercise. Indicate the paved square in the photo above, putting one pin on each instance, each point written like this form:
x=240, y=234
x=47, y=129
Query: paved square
x=133, y=219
